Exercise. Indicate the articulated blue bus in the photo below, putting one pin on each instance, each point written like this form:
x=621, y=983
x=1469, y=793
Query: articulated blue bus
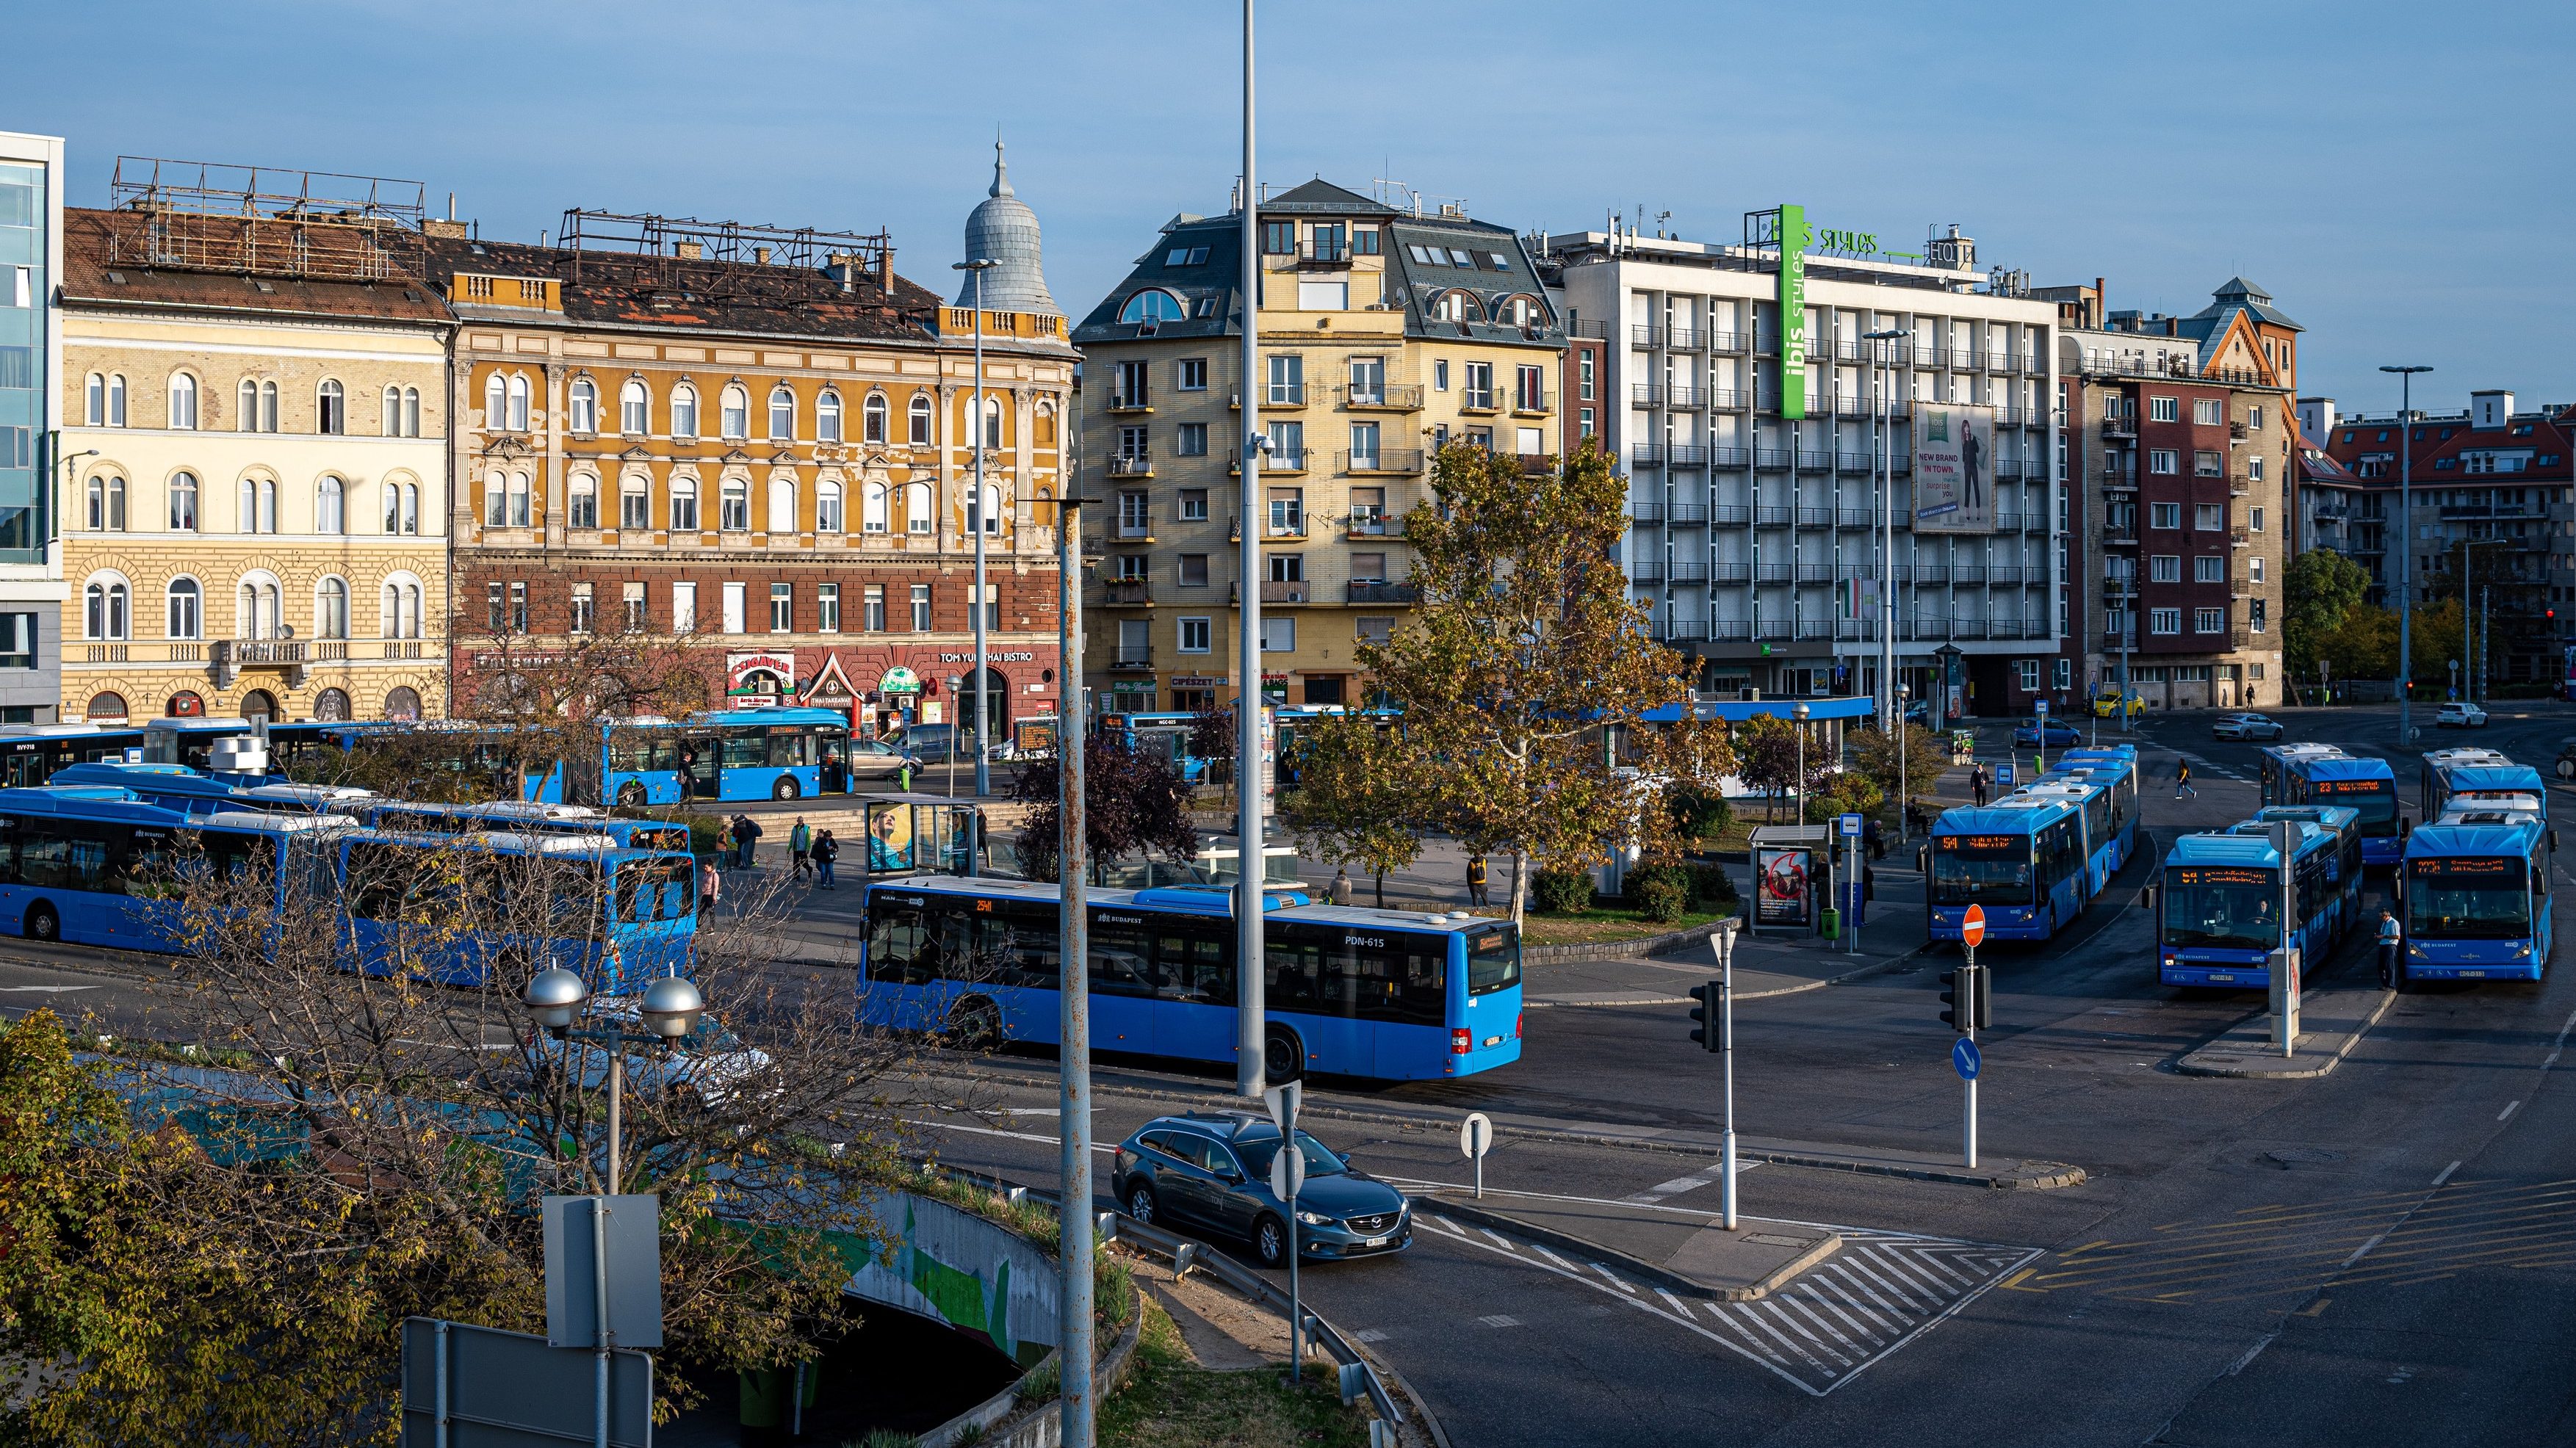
x=618, y=917
x=521, y=818
x=734, y=754
x=2220, y=916
x=2477, y=888
x=1383, y=994
x=2109, y=833
x=2295, y=774
x=31, y=754
x=2449, y=783
x=195, y=792
x=2022, y=858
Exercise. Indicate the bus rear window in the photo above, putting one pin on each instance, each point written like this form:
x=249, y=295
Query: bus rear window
x=1493, y=959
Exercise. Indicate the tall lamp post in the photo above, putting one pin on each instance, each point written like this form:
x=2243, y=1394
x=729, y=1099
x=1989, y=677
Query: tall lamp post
x=1251, y=1031
x=1879, y=381
x=976, y=268
x=1798, y=786
x=2405, y=552
x=1073, y=1084
x=2473, y=632
x=1904, y=800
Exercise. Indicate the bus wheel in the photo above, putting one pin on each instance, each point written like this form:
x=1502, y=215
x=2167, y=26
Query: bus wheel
x=785, y=788
x=631, y=794
x=43, y=923
x=975, y=1024
x=1282, y=1058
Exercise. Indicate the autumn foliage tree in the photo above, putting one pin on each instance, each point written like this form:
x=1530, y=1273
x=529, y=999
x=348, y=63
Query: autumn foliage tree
x=1134, y=802
x=1355, y=805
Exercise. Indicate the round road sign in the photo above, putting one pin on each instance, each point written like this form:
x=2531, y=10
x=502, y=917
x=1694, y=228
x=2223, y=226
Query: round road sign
x=1287, y=1173
x=1964, y=1057
x=1475, y=1135
x=1972, y=927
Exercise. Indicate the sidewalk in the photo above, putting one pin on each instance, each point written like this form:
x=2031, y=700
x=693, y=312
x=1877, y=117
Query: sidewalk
x=2331, y=1024
x=1684, y=1252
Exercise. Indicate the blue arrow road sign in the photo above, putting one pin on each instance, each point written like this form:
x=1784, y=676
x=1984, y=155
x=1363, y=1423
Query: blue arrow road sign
x=1964, y=1056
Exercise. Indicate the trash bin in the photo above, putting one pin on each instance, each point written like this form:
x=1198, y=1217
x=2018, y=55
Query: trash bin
x=1829, y=923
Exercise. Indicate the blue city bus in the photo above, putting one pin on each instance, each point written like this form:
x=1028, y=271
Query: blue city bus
x=2117, y=762
x=1383, y=995
x=618, y=917
x=780, y=752
x=195, y=792
x=1164, y=735
x=2476, y=889
x=2220, y=916
x=2322, y=774
x=2108, y=831
x=93, y=866
x=2345, y=864
x=2450, y=783
x=2022, y=858
x=541, y=819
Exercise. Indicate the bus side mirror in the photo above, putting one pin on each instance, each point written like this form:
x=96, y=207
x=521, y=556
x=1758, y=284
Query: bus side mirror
x=2147, y=898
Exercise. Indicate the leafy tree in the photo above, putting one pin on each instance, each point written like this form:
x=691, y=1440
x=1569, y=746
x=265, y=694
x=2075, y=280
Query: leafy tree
x=1926, y=760
x=1212, y=738
x=1134, y=802
x=1354, y=804
x=1522, y=647
x=2320, y=589
x=1768, y=747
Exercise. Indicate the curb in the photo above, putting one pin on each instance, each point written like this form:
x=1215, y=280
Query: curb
x=2286, y=1072
x=1663, y=1277
x=1774, y=993
x=2049, y=1175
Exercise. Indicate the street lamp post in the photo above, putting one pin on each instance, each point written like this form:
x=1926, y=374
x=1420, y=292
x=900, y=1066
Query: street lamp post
x=2405, y=552
x=1798, y=786
x=1725, y=937
x=2473, y=625
x=1251, y=1029
x=1073, y=1085
x=976, y=267
x=1904, y=800
x=1886, y=522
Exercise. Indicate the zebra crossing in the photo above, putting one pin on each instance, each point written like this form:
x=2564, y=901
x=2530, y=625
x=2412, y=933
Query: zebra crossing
x=1881, y=1291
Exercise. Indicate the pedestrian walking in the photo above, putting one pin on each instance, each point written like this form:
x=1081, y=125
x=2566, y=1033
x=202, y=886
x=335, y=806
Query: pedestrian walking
x=710, y=887
x=746, y=836
x=1341, y=887
x=2391, y=936
x=800, y=848
x=826, y=850
x=2182, y=781
x=1977, y=785
x=1872, y=839
x=1476, y=880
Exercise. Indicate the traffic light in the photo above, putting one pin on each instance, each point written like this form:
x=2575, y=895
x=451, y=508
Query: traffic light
x=1704, y=1016
x=1969, y=999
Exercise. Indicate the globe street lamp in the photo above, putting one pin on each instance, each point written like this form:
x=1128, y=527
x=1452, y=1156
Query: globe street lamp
x=670, y=1010
x=1799, y=785
x=979, y=515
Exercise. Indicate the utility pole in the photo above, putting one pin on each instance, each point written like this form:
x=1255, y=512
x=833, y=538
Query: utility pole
x=975, y=267
x=1883, y=384
x=1073, y=1084
x=1251, y=1034
x=2405, y=551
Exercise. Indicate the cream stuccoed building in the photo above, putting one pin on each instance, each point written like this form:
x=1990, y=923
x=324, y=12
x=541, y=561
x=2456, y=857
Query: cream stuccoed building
x=1755, y=475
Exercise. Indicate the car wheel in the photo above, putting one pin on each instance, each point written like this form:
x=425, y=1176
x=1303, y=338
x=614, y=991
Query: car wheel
x=42, y=923
x=1282, y=1057
x=1140, y=1203
x=1270, y=1241
x=975, y=1024
x=785, y=788
x=631, y=794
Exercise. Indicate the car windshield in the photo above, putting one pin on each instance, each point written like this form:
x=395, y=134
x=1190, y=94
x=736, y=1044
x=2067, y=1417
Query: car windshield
x=2237, y=908
x=2482, y=898
x=1259, y=1145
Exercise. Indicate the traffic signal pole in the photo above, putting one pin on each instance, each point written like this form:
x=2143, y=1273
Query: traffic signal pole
x=1725, y=937
x=1968, y=1023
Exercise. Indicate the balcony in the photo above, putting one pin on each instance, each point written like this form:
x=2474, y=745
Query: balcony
x=1775, y=517
x=1126, y=403
x=1651, y=394
x=1855, y=518
x=2007, y=470
x=1730, y=342
x=1377, y=590
x=2004, y=575
x=1855, y=462
x=1968, y=573
x=1734, y=515
x=2118, y=640
x=1690, y=514
x=1131, y=465
x=1395, y=397
x=1734, y=573
x=1480, y=400
x=1692, y=571
x=1730, y=630
x=1284, y=394
x=1124, y=592
x=1730, y=457
x=1728, y=399
x=260, y=653
x=1646, y=570
x=1776, y=458
x=1284, y=460
x=1323, y=252
x=1774, y=573
x=1130, y=659
x=1815, y=517
x=2117, y=481
x=1646, y=510
x=1645, y=336
x=1928, y=628
x=1815, y=573
x=1133, y=527
x=1375, y=524
x=1815, y=460
x=1532, y=402
x=1931, y=573
x=2120, y=426
x=1685, y=339
x=2236, y=431
x=2034, y=522
x=1407, y=460
x=1681, y=630
x=1285, y=526
x=2007, y=522
x=2239, y=536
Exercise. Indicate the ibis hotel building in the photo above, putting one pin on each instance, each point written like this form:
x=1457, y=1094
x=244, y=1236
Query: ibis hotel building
x=1755, y=455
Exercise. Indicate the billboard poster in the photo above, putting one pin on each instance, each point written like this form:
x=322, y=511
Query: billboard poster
x=1780, y=886
x=1792, y=298
x=1954, y=469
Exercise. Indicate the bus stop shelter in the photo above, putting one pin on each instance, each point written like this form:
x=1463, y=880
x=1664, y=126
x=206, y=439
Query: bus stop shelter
x=908, y=834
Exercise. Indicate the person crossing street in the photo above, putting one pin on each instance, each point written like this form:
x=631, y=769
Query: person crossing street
x=2391, y=937
x=2182, y=781
x=800, y=848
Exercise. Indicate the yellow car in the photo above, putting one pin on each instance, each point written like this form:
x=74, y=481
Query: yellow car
x=2106, y=704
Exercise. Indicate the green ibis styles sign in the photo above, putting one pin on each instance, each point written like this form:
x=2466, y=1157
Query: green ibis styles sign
x=1794, y=239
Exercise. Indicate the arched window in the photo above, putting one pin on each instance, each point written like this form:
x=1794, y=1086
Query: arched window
x=331, y=416
x=183, y=609
x=258, y=505
x=331, y=706
x=918, y=506
x=1458, y=307
x=684, y=411
x=107, y=708
x=411, y=412
x=496, y=403
x=399, y=602
x=330, y=511
x=782, y=505
x=872, y=508
x=585, y=502
x=116, y=399
x=520, y=515
x=873, y=424
x=827, y=416
x=827, y=507
x=782, y=414
x=392, y=424
x=635, y=502
x=684, y=505
x=992, y=422
x=256, y=600
x=105, y=608
x=920, y=414
x=411, y=508
x=1153, y=305
x=94, y=409
x=393, y=508
x=736, y=514
x=585, y=406
x=106, y=503
x=634, y=407
x=991, y=511
x=331, y=610
x=246, y=410
x=268, y=407
x=183, y=502
x=183, y=401
x=1045, y=425
x=518, y=402
x=402, y=702
x=735, y=417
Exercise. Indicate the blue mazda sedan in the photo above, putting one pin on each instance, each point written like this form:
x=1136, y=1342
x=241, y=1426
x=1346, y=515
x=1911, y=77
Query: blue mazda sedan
x=1211, y=1171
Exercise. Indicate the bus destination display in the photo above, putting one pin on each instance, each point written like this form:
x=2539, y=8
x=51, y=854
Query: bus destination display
x=2465, y=867
x=2190, y=875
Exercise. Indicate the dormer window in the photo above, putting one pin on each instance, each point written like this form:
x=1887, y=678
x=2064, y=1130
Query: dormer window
x=1153, y=305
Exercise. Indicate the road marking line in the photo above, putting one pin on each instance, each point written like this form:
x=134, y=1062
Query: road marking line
x=2446, y=1173
x=1678, y=1185
x=2363, y=1250
x=2551, y=1059
x=1911, y=1281
x=1552, y=1257
x=1500, y=1320
x=1812, y=1290
x=2509, y=1109
x=1614, y=1279
x=1675, y=1301
x=2313, y=1309
x=1859, y=1268
x=1760, y=1320
x=1452, y=1226
x=1498, y=1237
x=1794, y=1310
x=2014, y=1282
x=2252, y=1353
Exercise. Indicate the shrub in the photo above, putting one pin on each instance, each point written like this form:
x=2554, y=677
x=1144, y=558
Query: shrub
x=1711, y=886
x=1700, y=816
x=1662, y=898
x=1562, y=892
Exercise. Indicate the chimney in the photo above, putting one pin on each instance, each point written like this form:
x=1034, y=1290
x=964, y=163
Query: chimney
x=760, y=254
x=690, y=250
x=449, y=229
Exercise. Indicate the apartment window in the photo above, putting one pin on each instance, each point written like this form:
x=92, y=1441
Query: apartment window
x=2209, y=620
x=1364, y=240
x=183, y=503
x=585, y=408
x=684, y=411
x=1129, y=387
x=257, y=503
x=735, y=516
x=634, y=504
x=582, y=601
x=1287, y=379
x=2208, y=517
x=496, y=617
x=1583, y=375
x=782, y=414
x=736, y=601
x=1189, y=440
x=633, y=597
x=2207, y=464
x=181, y=609
x=1368, y=381
x=1197, y=635
x=2208, y=411
x=2256, y=616
x=827, y=608
x=1380, y=631
x=183, y=401
x=1136, y=644
x=2030, y=676
x=827, y=507
x=2164, y=409
x=684, y=608
x=1368, y=568
x=1193, y=570
x=106, y=503
x=992, y=422
x=1287, y=567
x=1440, y=374
x=827, y=418
x=1287, y=446
x=1479, y=385
x=921, y=608
x=985, y=513
x=2164, y=620
x=1135, y=515
x=2164, y=460
x=2254, y=569
x=1583, y=424
x=2164, y=515
x=1287, y=512
x=104, y=612
x=1529, y=389
x=2063, y=674
x=1279, y=238
x=1189, y=374
x=2254, y=519
x=917, y=511
x=1193, y=505
x=1364, y=454
x=1279, y=635
x=2209, y=568
x=1368, y=510
x=634, y=408
x=518, y=608
x=917, y=420
x=2165, y=568
x=872, y=607
x=733, y=413
x=2254, y=421
x=585, y=502
x=992, y=607
x=1132, y=443
x=2254, y=470
x=684, y=505
x=782, y=608
x=1130, y=567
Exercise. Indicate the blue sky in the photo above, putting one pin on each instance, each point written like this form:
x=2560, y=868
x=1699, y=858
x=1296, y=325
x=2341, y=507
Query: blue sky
x=2165, y=149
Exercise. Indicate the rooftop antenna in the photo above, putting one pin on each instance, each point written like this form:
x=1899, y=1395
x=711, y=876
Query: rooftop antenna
x=1660, y=218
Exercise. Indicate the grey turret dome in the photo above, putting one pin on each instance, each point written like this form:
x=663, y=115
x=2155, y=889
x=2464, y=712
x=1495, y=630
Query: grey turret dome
x=1003, y=228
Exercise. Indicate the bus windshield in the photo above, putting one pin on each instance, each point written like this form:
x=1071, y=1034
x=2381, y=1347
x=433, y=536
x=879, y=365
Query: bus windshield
x=1493, y=959
x=2468, y=898
x=2233, y=906
x=2375, y=799
x=1981, y=870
